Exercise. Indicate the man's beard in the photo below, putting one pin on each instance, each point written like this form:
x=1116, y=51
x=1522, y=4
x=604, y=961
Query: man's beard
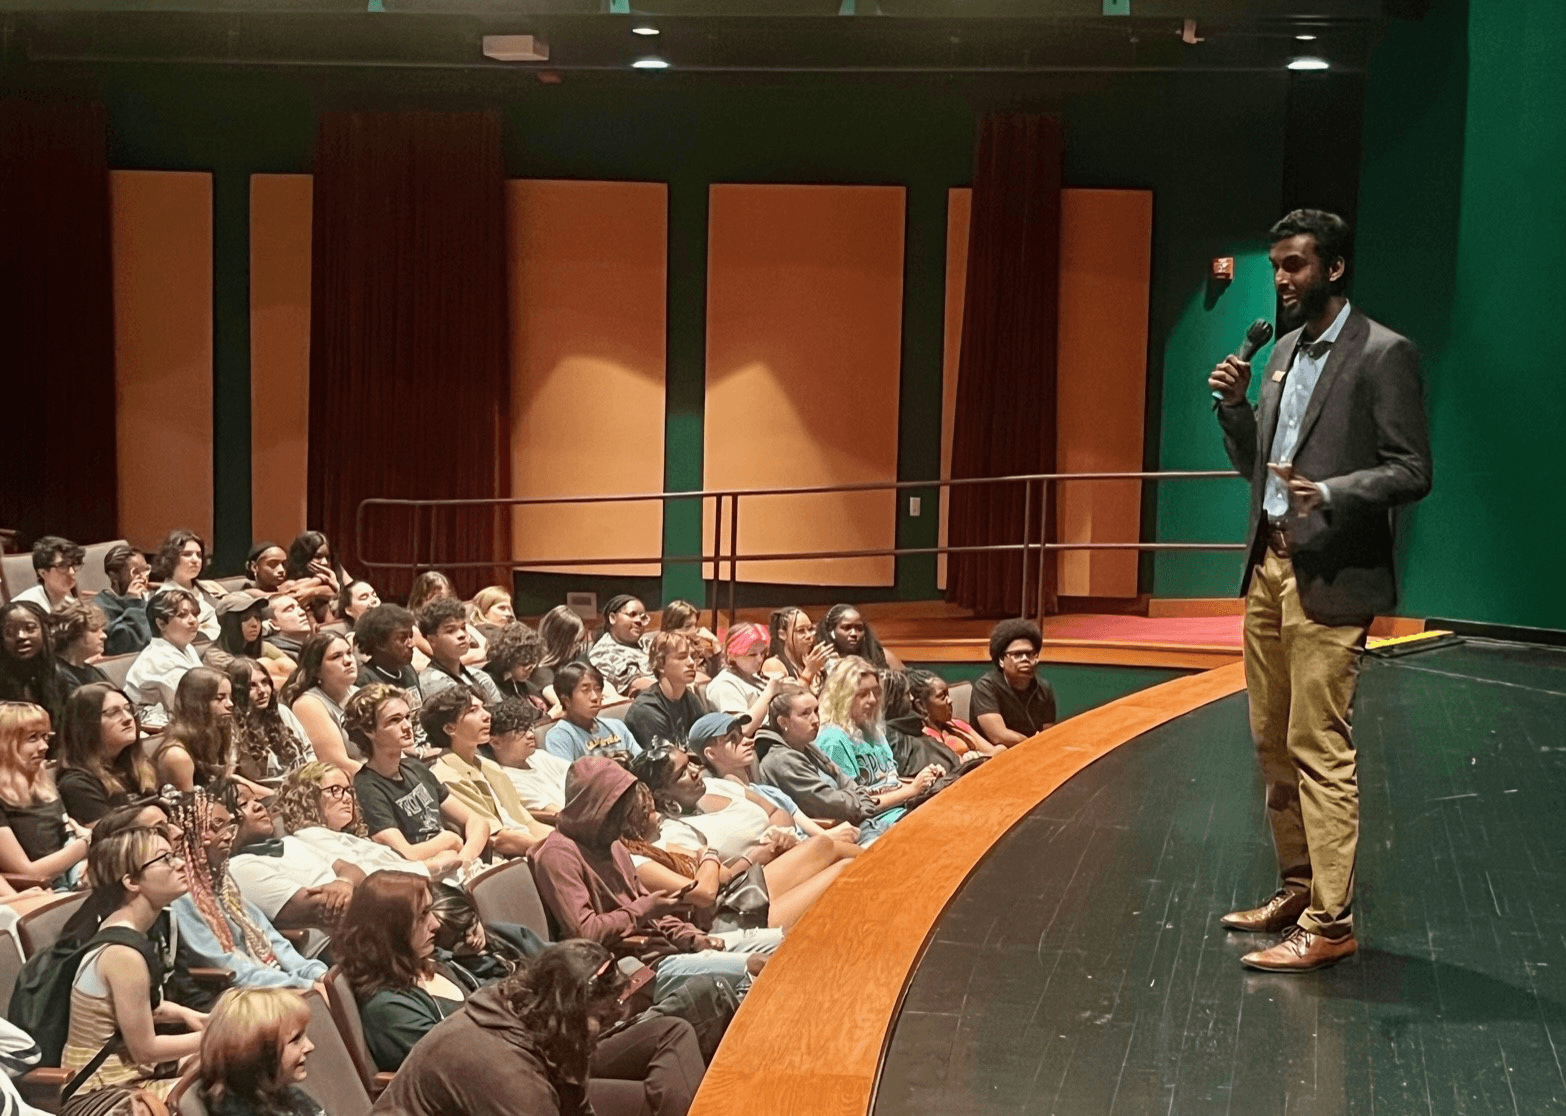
x=1312, y=301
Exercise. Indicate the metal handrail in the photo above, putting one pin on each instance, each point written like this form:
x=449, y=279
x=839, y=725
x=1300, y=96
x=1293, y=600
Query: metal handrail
x=734, y=495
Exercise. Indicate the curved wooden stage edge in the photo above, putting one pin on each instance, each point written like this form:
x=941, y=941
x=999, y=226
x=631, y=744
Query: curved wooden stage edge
x=810, y=1037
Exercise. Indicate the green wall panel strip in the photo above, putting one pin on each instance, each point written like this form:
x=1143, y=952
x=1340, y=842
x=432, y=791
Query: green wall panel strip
x=1078, y=686
x=231, y=450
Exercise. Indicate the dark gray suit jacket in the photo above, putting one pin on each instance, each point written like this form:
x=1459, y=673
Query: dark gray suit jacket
x=1364, y=435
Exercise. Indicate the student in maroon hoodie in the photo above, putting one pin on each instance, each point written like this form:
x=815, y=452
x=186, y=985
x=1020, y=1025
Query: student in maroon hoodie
x=590, y=886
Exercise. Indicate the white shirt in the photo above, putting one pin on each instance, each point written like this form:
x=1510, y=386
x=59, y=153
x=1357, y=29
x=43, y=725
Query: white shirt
x=271, y=881
x=159, y=664
x=361, y=852
x=40, y=597
x=541, y=783
x=729, y=693
x=736, y=827
x=206, y=616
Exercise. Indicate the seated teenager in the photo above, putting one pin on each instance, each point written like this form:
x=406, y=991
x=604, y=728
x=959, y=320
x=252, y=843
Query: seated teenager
x=296, y=887
x=102, y=765
x=455, y=718
x=268, y=738
x=740, y=688
x=178, y=565
x=27, y=657
x=124, y=602
x=318, y=691
x=320, y=811
x=932, y=701
x=668, y=708
x=242, y=619
x=537, y=776
x=491, y=609
x=384, y=635
x=444, y=624
x=198, y=745
x=621, y=652
x=546, y=1042
x=55, y=562
x=685, y=618
x=793, y=651
x=514, y=654
x=154, y=676
x=217, y=925
x=741, y=854
x=316, y=575
x=565, y=640
x=267, y=565
x=853, y=736
x=843, y=631
x=37, y=838
x=357, y=598
x=581, y=731
x=589, y=884
x=1010, y=701
x=912, y=747
x=254, y=1053
x=292, y=625
x=432, y=585
x=404, y=806
x=116, y=989
x=78, y=631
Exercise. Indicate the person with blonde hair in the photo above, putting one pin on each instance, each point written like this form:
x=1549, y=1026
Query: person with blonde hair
x=853, y=736
x=492, y=608
x=254, y=1053
x=319, y=807
x=36, y=836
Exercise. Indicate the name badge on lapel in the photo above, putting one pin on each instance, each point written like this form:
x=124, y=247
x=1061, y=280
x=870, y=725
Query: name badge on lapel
x=1277, y=377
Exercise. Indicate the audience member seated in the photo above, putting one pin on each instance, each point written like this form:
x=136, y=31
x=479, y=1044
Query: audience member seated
x=317, y=692
x=102, y=765
x=565, y=640
x=589, y=884
x=621, y=652
x=242, y=620
x=317, y=576
x=444, y=624
x=318, y=808
x=154, y=676
x=292, y=625
x=538, y=776
x=357, y=598
x=77, y=633
x=539, y=1042
x=56, y=562
x=740, y=688
x=402, y=803
x=198, y=745
x=293, y=885
x=472, y=954
x=456, y=718
x=217, y=925
x=491, y=609
x=581, y=731
x=668, y=708
x=27, y=671
x=793, y=650
x=845, y=632
x=685, y=618
x=178, y=565
x=432, y=585
x=267, y=565
x=514, y=654
x=384, y=635
x=718, y=740
x=124, y=602
x=748, y=867
x=37, y=838
x=268, y=739
x=1010, y=701
x=853, y=737
x=931, y=699
x=116, y=988
x=913, y=748
x=791, y=761
x=254, y=1053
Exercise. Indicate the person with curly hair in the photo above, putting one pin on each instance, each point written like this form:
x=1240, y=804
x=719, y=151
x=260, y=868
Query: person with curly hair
x=289, y=882
x=268, y=738
x=514, y=654
x=1010, y=701
x=430, y=586
x=254, y=1052
x=320, y=809
x=444, y=626
x=78, y=631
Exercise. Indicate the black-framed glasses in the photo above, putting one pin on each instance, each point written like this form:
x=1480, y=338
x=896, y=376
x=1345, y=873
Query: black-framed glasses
x=338, y=793
x=1021, y=656
x=72, y=566
x=169, y=856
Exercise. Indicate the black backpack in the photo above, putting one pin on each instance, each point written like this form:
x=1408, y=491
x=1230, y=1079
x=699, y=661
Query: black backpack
x=41, y=1000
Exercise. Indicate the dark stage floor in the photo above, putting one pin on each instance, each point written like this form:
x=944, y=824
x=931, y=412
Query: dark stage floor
x=1082, y=969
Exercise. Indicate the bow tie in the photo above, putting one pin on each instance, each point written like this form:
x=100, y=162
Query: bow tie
x=1315, y=349
x=271, y=847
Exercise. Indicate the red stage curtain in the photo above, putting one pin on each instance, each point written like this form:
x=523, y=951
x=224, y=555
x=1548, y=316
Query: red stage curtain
x=1005, y=420
x=409, y=381
x=57, y=320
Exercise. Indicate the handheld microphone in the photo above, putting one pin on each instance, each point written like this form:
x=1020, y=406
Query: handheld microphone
x=1258, y=335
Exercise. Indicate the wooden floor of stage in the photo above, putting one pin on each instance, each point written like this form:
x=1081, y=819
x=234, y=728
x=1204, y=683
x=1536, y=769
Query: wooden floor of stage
x=1081, y=969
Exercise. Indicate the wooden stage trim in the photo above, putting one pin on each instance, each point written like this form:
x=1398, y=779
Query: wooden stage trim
x=809, y=1039
x=1178, y=656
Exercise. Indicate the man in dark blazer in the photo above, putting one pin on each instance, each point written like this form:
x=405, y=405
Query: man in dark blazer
x=1337, y=439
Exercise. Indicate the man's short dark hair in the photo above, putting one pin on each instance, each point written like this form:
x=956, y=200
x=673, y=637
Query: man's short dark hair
x=50, y=549
x=569, y=677
x=514, y=645
x=1334, y=240
x=376, y=626
x=1008, y=632
x=514, y=715
x=442, y=708
x=437, y=612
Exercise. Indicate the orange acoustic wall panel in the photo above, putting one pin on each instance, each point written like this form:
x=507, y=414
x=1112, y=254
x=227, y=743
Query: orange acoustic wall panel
x=280, y=207
x=804, y=350
x=1106, y=241
x=589, y=276
x=162, y=230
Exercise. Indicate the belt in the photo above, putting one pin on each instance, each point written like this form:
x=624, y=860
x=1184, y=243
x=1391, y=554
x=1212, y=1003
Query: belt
x=1278, y=537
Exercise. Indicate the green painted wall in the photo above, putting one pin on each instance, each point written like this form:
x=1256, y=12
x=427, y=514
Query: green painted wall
x=1078, y=686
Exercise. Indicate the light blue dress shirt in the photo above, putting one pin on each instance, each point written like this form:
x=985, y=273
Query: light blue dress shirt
x=1309, y=360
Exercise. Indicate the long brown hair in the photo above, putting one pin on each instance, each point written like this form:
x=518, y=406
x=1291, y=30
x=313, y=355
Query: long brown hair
x=554, y=998
x=375, y=940
x=209, y=741
x=81, y=743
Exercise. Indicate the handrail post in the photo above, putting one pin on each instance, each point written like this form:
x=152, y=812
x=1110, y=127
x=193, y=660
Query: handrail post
x=1027, y=541
x=1043, y=546
x=717, y=558
x=733, y=553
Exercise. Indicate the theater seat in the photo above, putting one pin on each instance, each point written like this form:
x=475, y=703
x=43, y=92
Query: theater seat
x=117, y=667
x=10, y=966
x=334, y=1079
x=92, y=579
x=507, y=893
x=961, y=695
x=40, y=927
x=615, y=711
x=185, y=1099
x=345, y=1013
x=17, y=569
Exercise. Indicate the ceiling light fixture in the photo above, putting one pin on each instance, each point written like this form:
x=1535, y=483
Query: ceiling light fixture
x=644, y=29
x=1309, y=64
x=1305, y=38
x=649, y=63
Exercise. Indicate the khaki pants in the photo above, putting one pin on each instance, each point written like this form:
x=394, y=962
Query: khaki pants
x=1301, y=677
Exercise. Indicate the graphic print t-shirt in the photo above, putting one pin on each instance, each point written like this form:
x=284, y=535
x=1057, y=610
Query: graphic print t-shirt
x=409, y=803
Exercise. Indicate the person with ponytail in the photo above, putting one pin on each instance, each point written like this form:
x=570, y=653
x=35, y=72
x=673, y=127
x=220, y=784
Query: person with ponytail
x=844, y=631
x=792, y=649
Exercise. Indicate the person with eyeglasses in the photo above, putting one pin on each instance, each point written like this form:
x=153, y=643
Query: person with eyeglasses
x=55, y=562
x=101, y=765
x=1011, y=702
x=320, y=810
x=293, y=885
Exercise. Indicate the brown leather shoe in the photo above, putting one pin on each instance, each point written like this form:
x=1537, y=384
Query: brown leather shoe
x=1300, y=951
x=1274, y=915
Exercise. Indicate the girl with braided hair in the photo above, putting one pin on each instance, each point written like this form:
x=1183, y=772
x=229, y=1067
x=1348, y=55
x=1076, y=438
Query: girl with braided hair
x=215, y=923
